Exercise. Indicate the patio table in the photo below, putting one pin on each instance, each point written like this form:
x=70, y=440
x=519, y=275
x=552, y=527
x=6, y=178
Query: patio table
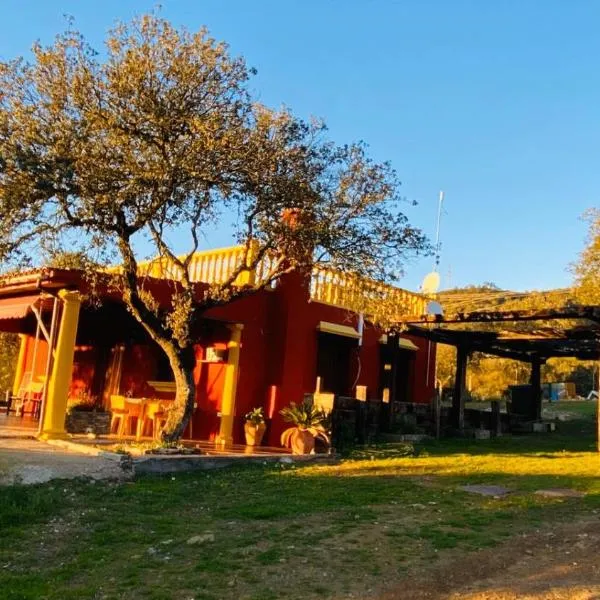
x=142, y=409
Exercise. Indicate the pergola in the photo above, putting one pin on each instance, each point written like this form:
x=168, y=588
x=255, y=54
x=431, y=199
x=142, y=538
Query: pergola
x=570, y=331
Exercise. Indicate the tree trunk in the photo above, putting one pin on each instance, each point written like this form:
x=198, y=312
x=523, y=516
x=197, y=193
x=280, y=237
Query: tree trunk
x=182, y=361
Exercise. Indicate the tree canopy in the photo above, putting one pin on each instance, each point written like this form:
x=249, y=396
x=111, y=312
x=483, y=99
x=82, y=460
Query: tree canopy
x=154, y=140
x=587, y=269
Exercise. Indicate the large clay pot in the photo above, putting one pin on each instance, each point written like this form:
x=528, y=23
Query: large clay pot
x=303, y=442
x=254, y=433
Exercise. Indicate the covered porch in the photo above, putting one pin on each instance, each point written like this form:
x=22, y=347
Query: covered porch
x=77, y=355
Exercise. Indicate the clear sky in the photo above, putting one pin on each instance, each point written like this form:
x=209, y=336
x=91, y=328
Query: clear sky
x=497, y=102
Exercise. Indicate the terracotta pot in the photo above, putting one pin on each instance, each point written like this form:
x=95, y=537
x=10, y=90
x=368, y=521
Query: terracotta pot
x=254, y=433
x=303, y=442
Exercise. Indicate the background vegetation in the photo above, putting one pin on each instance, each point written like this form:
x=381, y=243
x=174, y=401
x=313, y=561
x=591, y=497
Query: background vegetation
x=9, y=350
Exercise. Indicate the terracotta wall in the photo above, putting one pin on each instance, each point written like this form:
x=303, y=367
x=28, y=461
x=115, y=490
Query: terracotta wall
x=278, y=359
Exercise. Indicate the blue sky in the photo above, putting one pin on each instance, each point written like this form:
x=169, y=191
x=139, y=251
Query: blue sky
x=495, y=102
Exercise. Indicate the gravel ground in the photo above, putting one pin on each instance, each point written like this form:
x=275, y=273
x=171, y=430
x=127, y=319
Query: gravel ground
x=28, y=461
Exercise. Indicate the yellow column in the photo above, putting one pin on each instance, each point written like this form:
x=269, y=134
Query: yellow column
x=20, y=364
x=60, y=379
x=230, y=385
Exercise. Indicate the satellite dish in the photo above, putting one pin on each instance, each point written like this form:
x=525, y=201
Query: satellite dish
x=431, y=283
x=434, y=308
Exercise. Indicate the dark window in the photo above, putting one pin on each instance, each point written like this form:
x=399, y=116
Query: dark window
x=334, y=360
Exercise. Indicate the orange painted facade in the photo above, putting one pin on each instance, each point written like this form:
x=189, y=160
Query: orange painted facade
x=282, y=354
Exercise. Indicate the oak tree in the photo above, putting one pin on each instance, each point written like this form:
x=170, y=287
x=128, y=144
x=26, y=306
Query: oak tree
x=154, y=140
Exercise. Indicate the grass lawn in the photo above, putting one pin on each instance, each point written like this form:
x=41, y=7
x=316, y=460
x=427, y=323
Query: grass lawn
x=310, y=532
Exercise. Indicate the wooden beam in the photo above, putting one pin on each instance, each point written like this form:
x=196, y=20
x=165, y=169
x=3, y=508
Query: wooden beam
x=460, y=384
x=496, y=425
x=535, y=380
x=524, y=349
x=591, y=313
x=445, y=336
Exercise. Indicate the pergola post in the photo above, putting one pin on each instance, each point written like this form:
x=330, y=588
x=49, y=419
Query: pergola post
x=230, y=385
x=460, y=384
x=535, y=380
x=53, y=425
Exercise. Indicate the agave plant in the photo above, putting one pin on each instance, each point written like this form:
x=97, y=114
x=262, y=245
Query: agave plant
x=308, y=424
x=255, y=416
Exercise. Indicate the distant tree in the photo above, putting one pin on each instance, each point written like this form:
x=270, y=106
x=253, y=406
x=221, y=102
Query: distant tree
x=9, y=350
x=580, y=372
x=445, y=365
x=486, y=286
x=587, y=269
x=156, y=140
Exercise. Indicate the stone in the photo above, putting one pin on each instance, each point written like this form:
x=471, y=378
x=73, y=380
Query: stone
x=543, y=427
x=482, y=434
x=560, y=493
x=85, y=422
x=286, y=460
x=496, y=491
x=201, y=539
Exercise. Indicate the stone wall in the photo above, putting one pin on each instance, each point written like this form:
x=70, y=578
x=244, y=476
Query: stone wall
x=79, y=421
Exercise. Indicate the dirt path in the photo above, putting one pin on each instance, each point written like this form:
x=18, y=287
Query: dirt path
x=28, y=461
x=551, y=564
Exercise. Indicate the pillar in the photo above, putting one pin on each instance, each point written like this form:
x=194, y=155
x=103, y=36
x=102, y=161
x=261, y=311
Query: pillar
x=20, y=369
x=230, y=385
x=535, y=380
x=458, y=399
x=53, y=425
x=496, y=419
x=292, y=355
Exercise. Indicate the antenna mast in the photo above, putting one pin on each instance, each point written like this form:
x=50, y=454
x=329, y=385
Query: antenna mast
x=438, y=246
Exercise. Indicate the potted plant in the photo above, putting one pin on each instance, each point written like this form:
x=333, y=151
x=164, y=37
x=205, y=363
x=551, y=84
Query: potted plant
x=254, y=427
x=308, y=424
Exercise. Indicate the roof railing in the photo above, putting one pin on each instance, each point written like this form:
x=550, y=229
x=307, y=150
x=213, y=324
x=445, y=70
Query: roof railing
x=327, y=286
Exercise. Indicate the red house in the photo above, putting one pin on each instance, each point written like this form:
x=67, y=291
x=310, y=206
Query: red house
x=267, y=349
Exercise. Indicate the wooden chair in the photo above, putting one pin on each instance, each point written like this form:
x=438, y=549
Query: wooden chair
x=155, y=417
x=29, y=398
x=119, y=414
x=124, y=410
x=136, y=408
